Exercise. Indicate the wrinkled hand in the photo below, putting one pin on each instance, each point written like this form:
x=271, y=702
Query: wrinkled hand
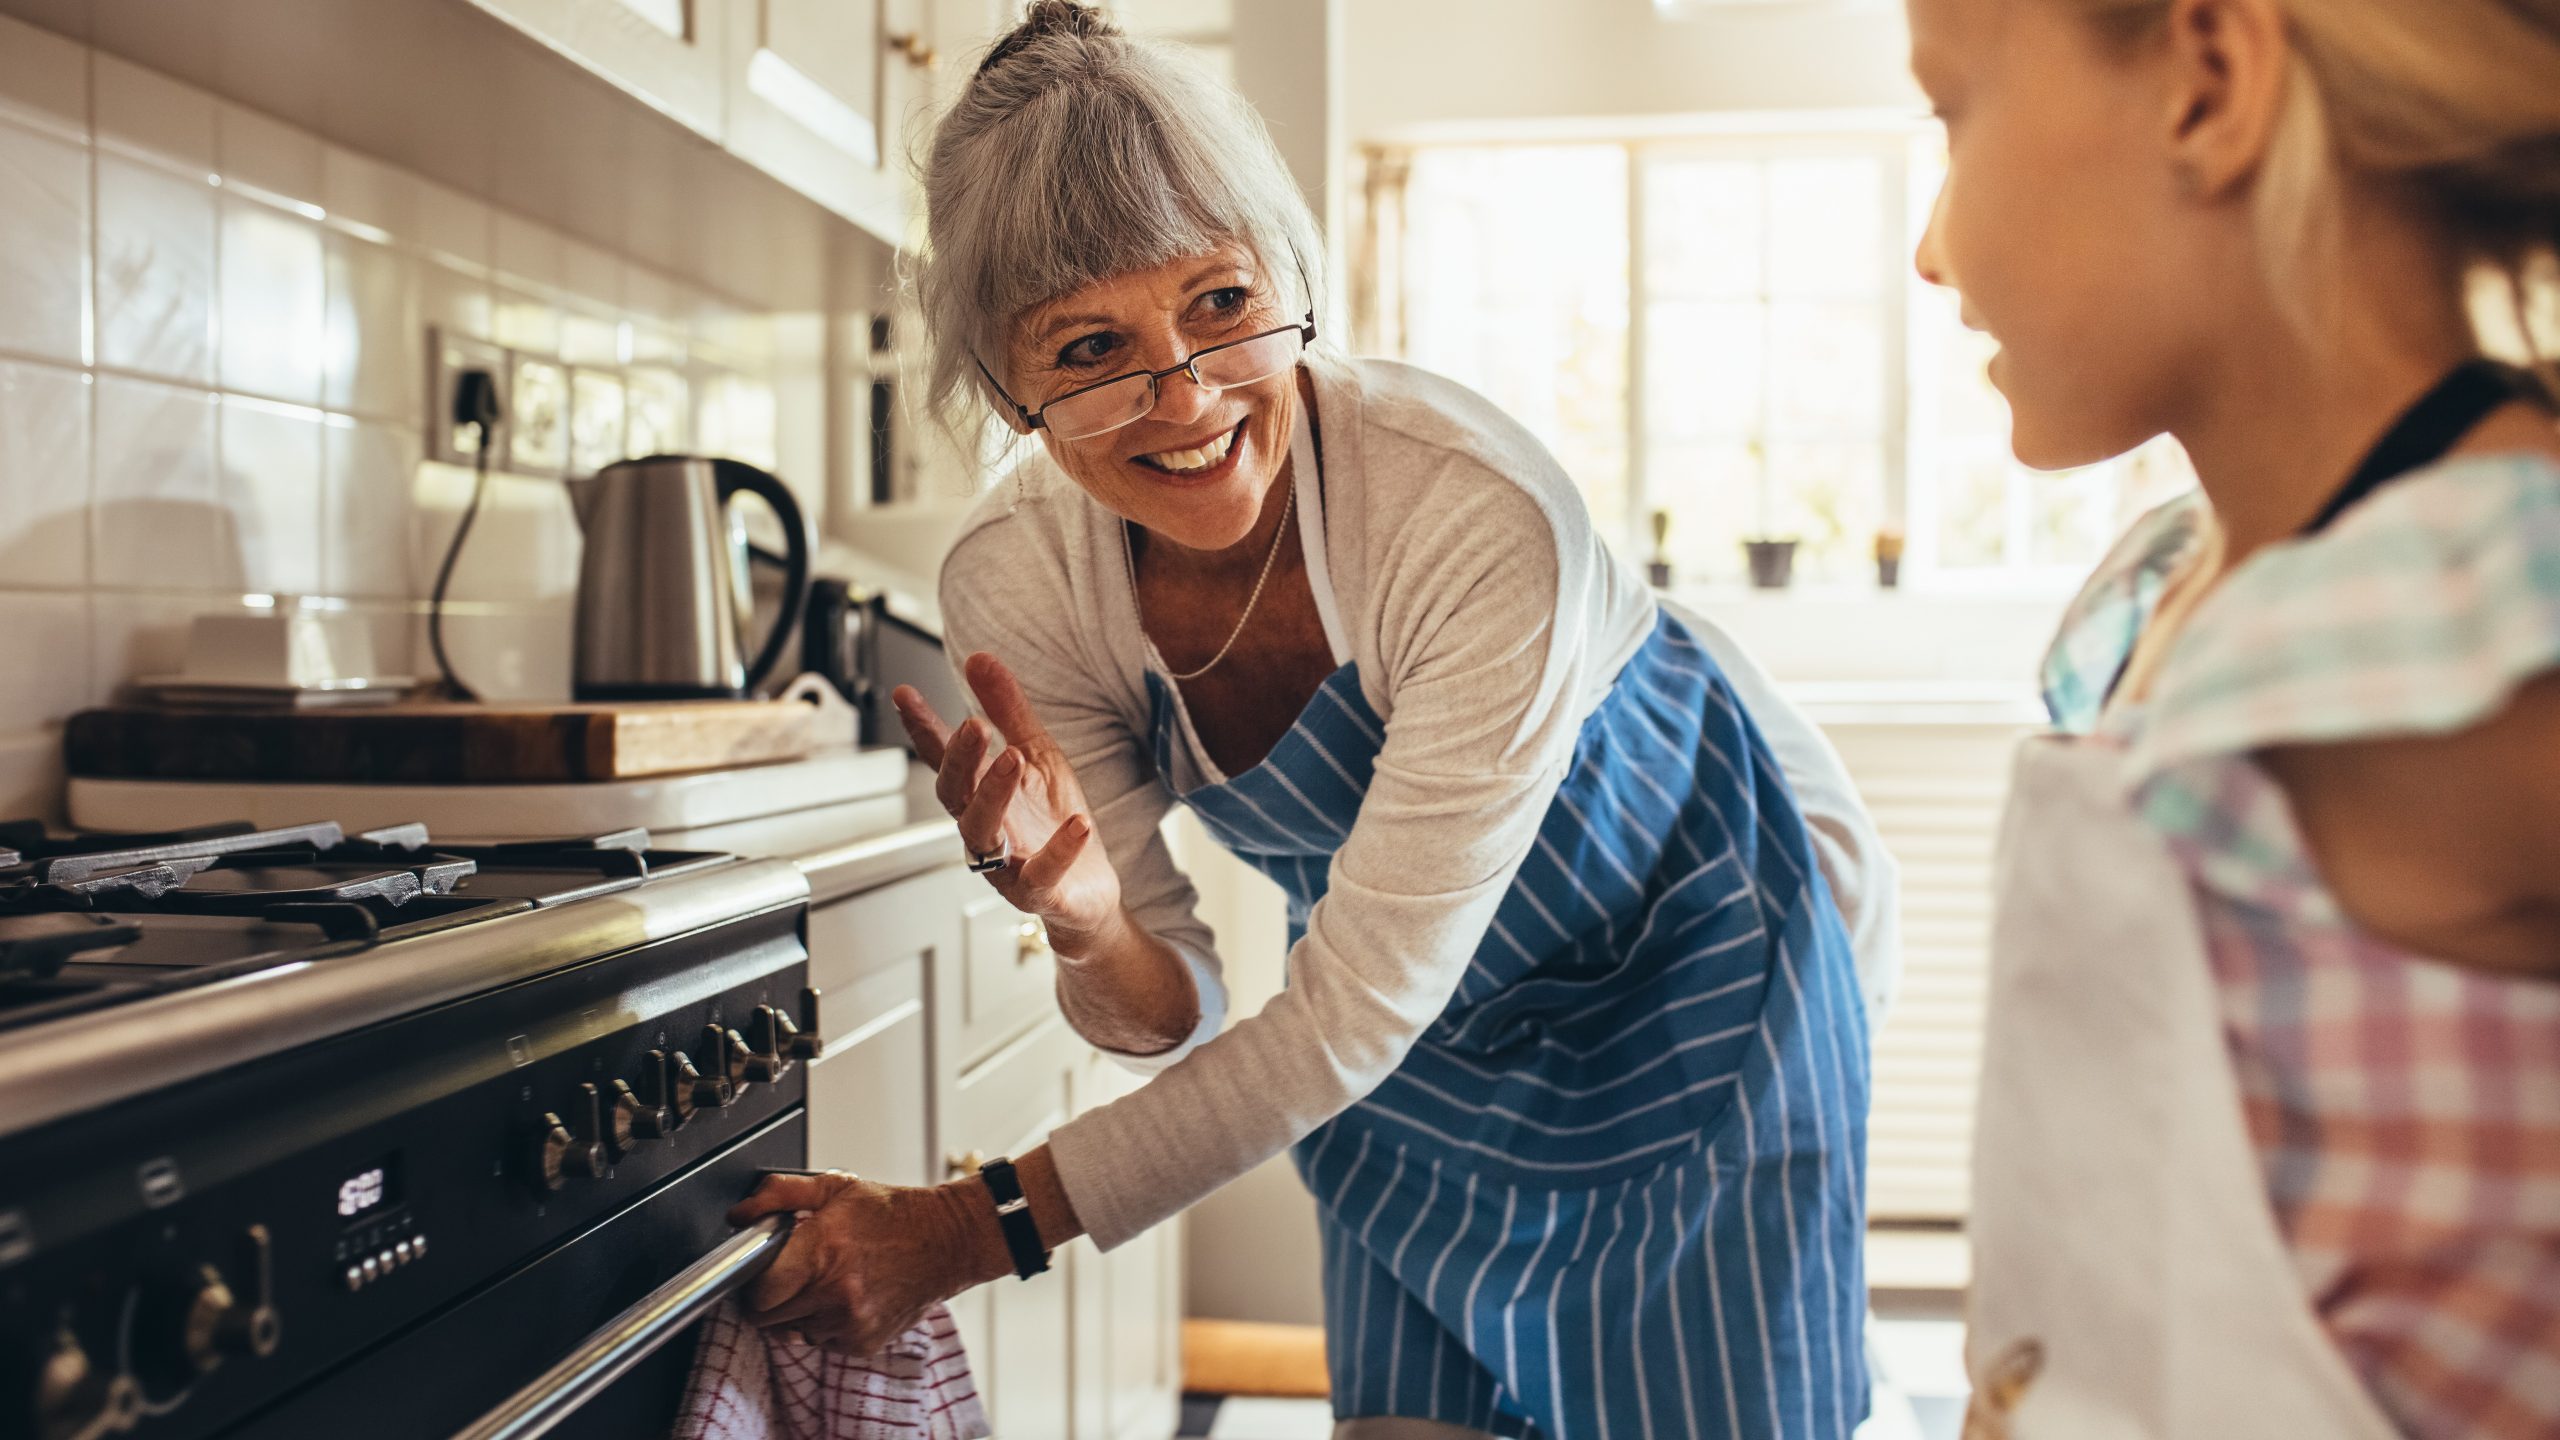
x=1027, y=797
x=865, y=1262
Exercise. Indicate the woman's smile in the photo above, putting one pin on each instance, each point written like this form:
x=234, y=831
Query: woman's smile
x=1197, y=463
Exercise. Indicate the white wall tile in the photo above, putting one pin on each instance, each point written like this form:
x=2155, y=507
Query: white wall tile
x=145, y=113
x=159, y=521
x=592, y=276
x=504, y=652
x=44, y=650
x=156, y=275
x=44, y=244
x=366, y=548
x=44, y=476
x=526, y=322
x=376, y=353
x=274, y=302
x=451, y=300
x=269, y=155
x=360, y=190
x=271, y=458
x=523, y=547
x=44, y=79
x=31, y=777
x=526, y=253
x=452, y=226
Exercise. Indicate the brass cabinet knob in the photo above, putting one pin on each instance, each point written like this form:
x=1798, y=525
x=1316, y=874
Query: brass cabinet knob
x=1031, y=942
x=911, y=44
x=961, y=1167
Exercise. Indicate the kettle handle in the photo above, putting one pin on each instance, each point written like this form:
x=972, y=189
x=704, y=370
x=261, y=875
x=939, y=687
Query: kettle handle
x=733, y=476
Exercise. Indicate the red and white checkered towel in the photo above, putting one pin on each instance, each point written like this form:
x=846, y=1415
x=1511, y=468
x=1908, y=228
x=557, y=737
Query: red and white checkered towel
x=751, y=1384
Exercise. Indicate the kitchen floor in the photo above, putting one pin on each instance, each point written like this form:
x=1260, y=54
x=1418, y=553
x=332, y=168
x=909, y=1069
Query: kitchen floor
x=1918, y=1364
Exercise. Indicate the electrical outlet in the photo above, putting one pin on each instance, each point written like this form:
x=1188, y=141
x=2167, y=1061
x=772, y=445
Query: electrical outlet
x=449, y=356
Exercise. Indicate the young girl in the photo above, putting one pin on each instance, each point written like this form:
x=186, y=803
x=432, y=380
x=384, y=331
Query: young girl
x=2270, y=1139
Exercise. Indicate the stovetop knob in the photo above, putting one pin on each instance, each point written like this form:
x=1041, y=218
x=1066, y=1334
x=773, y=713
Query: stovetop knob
x=808, y=1038
x=768, y=1056
x=56, y=1390
x=718, y=1086
x=591, y=1153
x=547, y=1157
x=628, y=1121
x=189, y=1321
x=683, y=1084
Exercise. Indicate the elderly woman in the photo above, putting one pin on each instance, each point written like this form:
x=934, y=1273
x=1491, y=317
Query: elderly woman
x=1573, y=1053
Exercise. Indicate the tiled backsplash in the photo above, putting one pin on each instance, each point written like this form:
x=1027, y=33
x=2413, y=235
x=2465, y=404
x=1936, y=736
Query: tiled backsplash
x=212, y=382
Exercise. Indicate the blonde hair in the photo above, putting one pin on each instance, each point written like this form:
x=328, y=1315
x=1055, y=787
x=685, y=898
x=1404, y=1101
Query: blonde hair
x=2454, y=104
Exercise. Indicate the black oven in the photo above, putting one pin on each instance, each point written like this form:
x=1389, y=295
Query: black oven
x=391, y=1230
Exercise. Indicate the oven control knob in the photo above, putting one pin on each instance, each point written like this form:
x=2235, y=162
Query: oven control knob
x=768, y=1057
x=718, y=1085
x=187, y=1324
x=808, y=1038
x=627, y=1121
x=57, y=1393
x=681, y=1082
x=653, y=1112
x=547, y=1157
x=591, y=1156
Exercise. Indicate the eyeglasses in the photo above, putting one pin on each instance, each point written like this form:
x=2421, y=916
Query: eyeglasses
x=1106, y=405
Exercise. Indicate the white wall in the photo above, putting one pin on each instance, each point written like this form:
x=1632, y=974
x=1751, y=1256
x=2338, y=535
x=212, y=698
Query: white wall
x=1418, y=64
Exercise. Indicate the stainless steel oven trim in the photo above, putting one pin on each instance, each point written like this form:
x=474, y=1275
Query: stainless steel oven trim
x=170, y=1039
x=634, y=1335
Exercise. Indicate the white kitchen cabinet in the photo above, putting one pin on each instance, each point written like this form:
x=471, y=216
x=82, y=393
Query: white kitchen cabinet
x=867, y=1092
x=821, y=94
x=1022, y=1335
x=668, y=53
x=1128, y=1312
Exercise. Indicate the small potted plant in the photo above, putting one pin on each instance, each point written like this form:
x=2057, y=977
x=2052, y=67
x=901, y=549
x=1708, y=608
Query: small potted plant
x=1889, y=558
x=1773, y=562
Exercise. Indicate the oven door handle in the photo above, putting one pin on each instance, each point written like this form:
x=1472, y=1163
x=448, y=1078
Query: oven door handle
x=635, y=1334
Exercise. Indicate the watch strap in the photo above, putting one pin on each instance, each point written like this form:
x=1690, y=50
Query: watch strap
x=1013, y=1216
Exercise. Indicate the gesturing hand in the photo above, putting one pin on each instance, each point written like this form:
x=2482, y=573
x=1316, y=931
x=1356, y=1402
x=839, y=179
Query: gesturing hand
x=1026, y=797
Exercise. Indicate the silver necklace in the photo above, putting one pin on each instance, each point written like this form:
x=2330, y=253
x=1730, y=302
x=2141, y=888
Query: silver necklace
x=1287, y=508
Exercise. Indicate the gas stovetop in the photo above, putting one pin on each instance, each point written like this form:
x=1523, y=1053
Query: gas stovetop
x=90, y=920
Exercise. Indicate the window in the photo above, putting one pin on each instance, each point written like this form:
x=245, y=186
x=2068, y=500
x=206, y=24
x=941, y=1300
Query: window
x=1724, y=334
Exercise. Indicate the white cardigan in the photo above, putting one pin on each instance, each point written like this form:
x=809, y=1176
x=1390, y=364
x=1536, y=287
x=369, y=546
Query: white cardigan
x=1455, y=563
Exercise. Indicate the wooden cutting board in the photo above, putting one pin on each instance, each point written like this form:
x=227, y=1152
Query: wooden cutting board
x=439, y=742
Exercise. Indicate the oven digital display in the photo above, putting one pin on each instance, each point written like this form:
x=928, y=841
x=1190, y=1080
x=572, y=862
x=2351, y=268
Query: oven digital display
x=373, y=1189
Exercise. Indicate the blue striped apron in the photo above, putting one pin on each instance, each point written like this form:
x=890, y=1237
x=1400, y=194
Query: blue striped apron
x=1617, y=1188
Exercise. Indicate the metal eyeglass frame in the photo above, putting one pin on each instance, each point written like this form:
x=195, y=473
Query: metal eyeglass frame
x=1037, y=419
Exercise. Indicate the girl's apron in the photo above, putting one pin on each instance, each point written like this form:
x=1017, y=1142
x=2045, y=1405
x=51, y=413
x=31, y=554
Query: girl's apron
x=1616, y=1190
x=2129, y=1279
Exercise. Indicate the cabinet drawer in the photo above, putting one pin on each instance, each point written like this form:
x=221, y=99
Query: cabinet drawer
x=1007, y=980
x=880, y=929
x=869, y=1110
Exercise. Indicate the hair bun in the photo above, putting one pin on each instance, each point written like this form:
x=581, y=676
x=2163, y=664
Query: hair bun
x=1044, y=18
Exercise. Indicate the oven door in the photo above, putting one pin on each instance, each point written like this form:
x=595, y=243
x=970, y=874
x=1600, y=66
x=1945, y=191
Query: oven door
x=446, y=1374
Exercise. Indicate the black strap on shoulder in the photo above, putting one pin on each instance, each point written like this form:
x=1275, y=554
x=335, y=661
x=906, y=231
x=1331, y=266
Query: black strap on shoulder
x=2428, y=430
x=1013, y=1215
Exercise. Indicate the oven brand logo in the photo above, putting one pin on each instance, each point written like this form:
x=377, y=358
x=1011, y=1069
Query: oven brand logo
x=161, y=1186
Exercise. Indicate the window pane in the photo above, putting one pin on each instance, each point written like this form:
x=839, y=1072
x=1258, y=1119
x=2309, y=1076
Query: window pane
x=1515, y=261
x=1826, y=371
x=1703, y=228
x=1712, y=493
x=2072, y=515
x=1829, y=495
x=1826, y=227
x=1703, y=370
x=1973, y=503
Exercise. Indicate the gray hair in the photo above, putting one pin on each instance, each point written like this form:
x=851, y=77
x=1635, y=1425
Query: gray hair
x=1077, y=153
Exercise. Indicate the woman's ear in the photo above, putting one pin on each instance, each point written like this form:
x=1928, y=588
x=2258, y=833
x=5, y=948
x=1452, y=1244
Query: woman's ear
x=2227, y=63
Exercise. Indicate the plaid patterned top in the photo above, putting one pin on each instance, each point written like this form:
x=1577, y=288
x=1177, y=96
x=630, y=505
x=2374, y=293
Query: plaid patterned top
x=2407, y=1113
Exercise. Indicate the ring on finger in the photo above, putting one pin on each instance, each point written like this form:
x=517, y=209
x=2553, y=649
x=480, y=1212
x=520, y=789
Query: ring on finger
x=988, y=862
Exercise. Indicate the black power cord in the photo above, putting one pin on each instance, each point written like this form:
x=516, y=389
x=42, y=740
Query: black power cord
x=475, y=404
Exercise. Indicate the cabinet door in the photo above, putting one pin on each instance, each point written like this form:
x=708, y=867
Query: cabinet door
x=666, y=52
x=1008, y=977
x=1022, y=1335
x=807, y=104
x=1128, y=1312
x=868, y=1109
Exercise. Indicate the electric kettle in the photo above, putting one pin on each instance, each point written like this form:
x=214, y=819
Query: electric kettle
x=663, y=590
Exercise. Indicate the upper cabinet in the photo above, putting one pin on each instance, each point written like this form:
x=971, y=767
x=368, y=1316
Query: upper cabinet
x=831, y=97
x=669, y=54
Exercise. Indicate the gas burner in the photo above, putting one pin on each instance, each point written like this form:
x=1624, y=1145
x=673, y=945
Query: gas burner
x=93, y=919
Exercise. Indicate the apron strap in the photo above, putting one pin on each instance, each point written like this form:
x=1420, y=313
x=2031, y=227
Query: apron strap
x=2428, y=430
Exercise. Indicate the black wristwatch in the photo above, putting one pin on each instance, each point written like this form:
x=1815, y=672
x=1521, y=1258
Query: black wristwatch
x=1013, y=1216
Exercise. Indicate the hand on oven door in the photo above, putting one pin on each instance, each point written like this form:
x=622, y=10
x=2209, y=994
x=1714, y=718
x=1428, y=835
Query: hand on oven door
x=866, y=1260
